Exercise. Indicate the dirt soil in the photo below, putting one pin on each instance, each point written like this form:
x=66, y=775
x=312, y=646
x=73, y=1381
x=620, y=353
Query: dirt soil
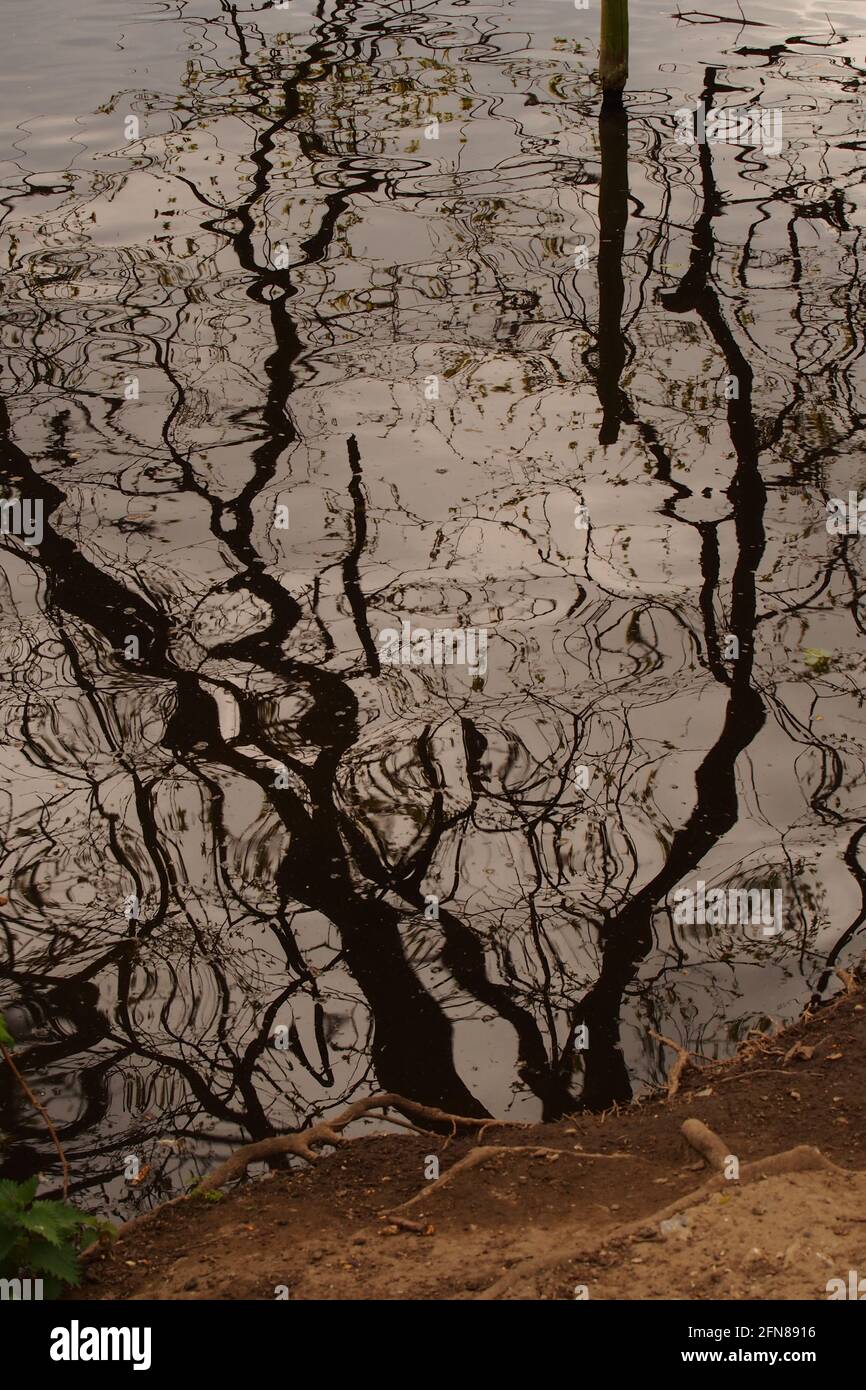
x=537, y=1216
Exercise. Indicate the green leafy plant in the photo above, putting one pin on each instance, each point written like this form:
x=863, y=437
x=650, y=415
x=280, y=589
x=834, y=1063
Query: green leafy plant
x=817, y=659
x=41, y=1238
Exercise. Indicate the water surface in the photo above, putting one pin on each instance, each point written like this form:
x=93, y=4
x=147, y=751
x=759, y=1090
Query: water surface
x=250, y=304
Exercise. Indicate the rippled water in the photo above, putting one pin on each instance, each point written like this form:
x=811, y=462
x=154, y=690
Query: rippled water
x=251, y=307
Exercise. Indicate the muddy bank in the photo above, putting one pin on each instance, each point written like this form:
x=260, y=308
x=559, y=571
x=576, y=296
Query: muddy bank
x=553, y=1211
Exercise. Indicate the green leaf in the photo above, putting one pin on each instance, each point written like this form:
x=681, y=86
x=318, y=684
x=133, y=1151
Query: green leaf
x=41, y=1235
x=49, y=1259
x=61, y=1216
x=42, y=1226
x=214, y=1194
x=56, y=1221
x=17, y=1195
x=817, y=659
x=6, y=1037
x=9, y=1237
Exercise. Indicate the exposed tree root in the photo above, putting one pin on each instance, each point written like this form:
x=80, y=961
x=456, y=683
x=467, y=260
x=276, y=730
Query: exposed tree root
x=302, y=1144
x=707, y=1143
x=683, y=1059
x=403, y=1223
x=330, y=1132
x=470, y=1160
x=480, y=1155
x=759, y=1071
x=803, y=1158
x=264, y=1150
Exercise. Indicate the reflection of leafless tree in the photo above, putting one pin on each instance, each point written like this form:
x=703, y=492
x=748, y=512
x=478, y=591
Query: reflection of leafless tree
x=300, y=900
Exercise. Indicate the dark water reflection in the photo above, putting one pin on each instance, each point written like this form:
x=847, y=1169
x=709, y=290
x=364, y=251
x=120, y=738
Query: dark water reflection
x=282, y=262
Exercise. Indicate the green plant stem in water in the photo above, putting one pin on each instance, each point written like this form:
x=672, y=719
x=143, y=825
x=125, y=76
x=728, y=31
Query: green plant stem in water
x=613, y=58
x=6, y=1041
